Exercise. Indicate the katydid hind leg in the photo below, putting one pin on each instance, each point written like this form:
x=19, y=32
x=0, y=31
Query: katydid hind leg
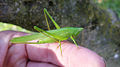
x=45, y=33
x=47, y=21
x=56, y=25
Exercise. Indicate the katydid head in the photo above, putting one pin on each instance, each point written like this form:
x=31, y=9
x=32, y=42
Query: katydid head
x=70, y=31
x=77, y=31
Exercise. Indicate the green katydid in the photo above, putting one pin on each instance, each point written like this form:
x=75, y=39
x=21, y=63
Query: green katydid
x=49, y=36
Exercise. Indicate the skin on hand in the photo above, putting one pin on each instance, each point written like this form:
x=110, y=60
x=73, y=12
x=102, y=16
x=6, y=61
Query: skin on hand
x=44, y=55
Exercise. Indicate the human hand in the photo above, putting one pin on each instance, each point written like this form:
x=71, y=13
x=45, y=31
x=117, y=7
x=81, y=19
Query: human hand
x=44, y=55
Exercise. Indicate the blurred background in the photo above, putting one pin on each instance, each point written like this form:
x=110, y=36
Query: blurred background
x=111, y=5
x=102, y=37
